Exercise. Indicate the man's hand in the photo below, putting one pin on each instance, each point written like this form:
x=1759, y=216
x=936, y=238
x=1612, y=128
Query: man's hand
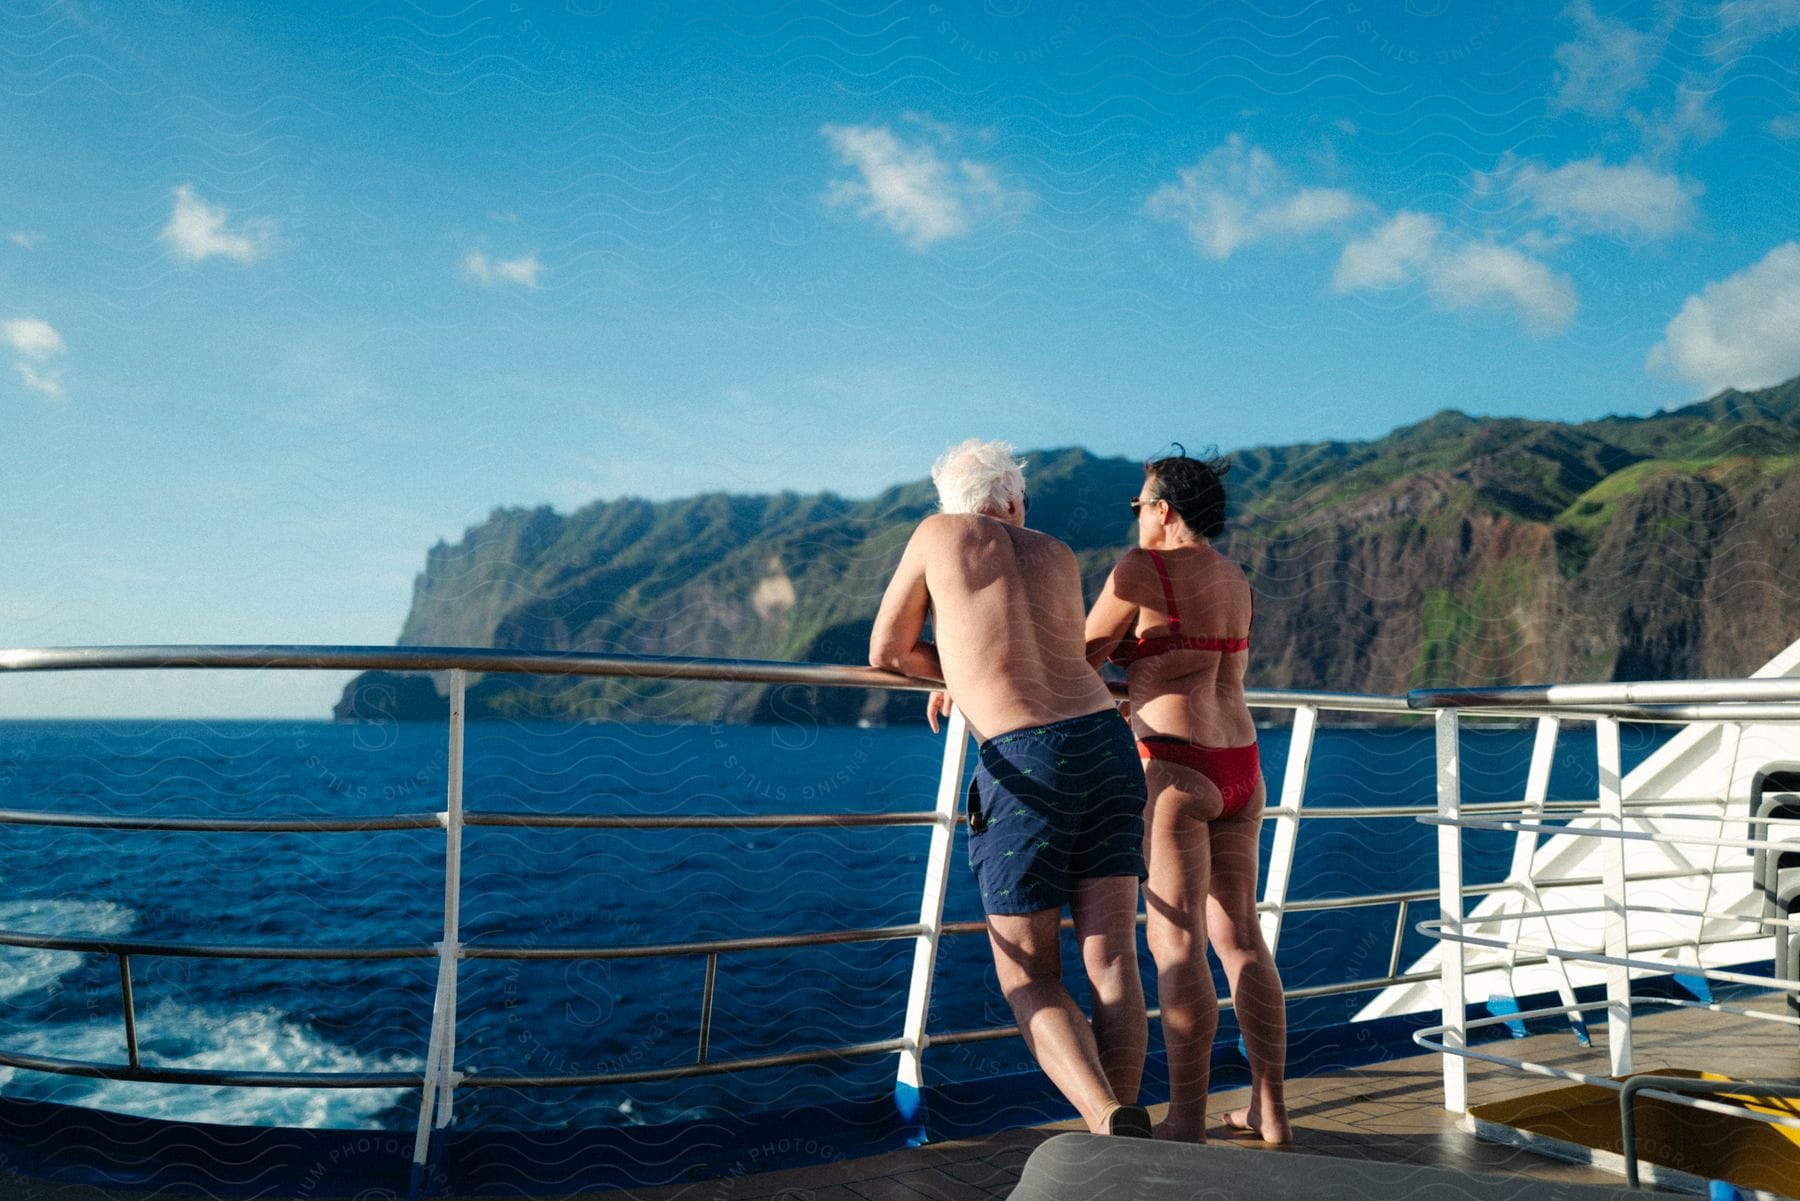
x=938, y=703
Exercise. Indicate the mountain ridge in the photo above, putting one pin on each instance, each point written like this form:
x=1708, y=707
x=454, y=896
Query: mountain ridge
x=1457, y=549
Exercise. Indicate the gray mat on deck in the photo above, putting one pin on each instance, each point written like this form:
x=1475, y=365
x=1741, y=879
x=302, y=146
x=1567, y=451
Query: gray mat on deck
x=1088, y=1167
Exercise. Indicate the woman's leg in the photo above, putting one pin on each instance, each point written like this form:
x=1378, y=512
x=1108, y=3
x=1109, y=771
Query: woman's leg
x=1175, y=846
x=1256, y=995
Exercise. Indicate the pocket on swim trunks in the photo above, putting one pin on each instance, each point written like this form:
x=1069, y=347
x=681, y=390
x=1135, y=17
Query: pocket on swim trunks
x=977, y=823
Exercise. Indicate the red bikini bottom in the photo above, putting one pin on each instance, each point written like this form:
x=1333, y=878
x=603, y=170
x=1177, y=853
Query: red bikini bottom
x=1236, y=770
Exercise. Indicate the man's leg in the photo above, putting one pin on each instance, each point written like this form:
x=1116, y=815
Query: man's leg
x=1106, y=926
x=1028, y=959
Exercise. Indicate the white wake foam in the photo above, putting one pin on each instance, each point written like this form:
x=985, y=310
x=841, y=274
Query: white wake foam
x=195, y=1038
x=25, y=971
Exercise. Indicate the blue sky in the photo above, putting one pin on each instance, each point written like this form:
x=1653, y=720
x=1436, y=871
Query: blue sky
x=289, y=292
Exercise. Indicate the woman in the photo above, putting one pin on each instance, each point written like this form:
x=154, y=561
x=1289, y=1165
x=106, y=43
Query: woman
x=1177, y=614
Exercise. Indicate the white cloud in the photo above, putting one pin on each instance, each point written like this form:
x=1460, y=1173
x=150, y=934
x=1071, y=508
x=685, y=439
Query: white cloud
x=1690, y=121
x=1412, y=246
x=1589, y=197
x=1397, y=252
x=911, y=187
x=198, y=230
x=523, y=270
x=30, y=239
x=1607, y=61
x=1238, y=195
x=1743, y=23
x=35, y=341
x=46, y=382
x=1741, y=332
x=33, y=338
x=1483, y=275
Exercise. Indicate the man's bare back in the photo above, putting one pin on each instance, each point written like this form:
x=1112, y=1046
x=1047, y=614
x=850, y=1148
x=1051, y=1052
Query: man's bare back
x=1057, y=770
x=1008, y=615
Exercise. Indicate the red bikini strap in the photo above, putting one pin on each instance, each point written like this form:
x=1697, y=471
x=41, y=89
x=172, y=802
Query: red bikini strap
x=1162, y=573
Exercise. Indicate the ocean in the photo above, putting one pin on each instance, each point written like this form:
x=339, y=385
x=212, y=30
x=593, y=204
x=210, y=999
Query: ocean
x=545, y=888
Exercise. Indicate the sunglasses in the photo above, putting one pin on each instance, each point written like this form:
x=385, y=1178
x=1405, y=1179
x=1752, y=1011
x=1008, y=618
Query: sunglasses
x=1138, y=502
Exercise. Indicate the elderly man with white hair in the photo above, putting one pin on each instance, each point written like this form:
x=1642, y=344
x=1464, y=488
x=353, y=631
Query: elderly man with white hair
x=1056, y=808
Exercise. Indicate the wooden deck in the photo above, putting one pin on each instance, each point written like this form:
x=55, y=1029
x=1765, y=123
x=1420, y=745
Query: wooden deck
x=1390, y=1112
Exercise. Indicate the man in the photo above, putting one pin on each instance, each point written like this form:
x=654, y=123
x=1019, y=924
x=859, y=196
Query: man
x=1056, y=811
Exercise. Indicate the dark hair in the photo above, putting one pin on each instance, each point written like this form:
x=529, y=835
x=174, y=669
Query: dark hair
x=1194, y=488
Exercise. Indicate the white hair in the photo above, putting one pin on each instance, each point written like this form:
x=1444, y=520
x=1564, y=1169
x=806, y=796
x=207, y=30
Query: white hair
x=978, y=477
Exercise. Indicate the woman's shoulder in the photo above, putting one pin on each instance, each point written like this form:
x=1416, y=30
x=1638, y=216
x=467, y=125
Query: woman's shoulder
x=1208, y=567
x=1136, y=564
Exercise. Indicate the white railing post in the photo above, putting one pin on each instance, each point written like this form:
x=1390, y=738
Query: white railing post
x=1734, y=733
x=909, y=1084
x=441, y=1076
x=1612, y=874
x=1450, y=905
x=1537, y=792
x=1287, y=825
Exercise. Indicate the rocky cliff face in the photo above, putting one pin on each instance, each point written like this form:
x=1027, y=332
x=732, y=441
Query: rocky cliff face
x=1692, y=574
x=1454, y=551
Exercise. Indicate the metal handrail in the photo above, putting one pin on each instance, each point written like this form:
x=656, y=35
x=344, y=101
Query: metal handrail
x=757, y=821
x=761, y=821
x=222, y=825
x=1671, y=700
x=447, y=658
x=1664, y=1088
x=1525, y=827
x=718, y=946
x=214, y=1076
x=190, y=950
x=441, y=1076
x=562, y=663
x=886, y=1046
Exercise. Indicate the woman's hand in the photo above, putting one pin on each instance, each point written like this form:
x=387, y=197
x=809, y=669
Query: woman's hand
x=937, y=704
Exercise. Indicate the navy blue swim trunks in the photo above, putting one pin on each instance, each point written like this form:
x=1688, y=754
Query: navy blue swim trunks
x=1051, y=805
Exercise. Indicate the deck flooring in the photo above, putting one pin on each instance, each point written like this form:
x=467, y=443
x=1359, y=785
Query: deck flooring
x=1389, y=1111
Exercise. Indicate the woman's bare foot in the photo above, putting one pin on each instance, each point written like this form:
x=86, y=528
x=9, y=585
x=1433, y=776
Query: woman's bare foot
x=1276, y=1131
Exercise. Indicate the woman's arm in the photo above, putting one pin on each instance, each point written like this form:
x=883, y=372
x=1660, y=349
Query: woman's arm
x=1111, y=618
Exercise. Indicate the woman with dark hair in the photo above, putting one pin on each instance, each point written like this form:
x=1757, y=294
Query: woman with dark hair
x=1176, y=613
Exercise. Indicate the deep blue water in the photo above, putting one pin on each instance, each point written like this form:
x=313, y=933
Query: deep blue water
x=585, y=888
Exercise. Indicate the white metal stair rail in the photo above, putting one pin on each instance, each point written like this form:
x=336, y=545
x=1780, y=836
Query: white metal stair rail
x=1706, y=767
x=1763, y=704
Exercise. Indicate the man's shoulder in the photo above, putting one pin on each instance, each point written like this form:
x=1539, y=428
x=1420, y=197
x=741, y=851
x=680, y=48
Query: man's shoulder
x=965, y=530
x=1046, y=541
x=947, y=527
x=938, y=529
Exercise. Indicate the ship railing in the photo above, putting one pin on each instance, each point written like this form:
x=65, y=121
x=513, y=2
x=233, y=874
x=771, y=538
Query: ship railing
x=440, y=1076
x=1608, y=823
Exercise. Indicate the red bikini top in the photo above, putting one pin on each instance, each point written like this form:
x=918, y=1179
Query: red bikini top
x=1145, y=648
